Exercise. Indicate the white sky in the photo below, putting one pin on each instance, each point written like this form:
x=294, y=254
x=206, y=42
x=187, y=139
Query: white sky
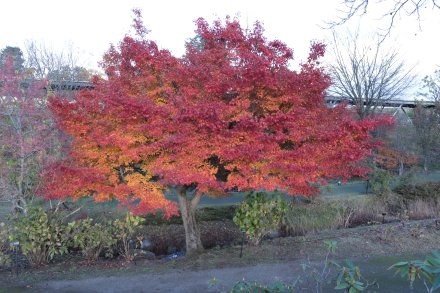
x=92, y=25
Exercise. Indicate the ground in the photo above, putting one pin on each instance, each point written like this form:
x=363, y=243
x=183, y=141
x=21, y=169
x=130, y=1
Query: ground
x=373, y=248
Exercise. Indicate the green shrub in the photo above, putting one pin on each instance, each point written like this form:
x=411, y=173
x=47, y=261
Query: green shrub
x=381, y=181
x=258, y=215
x=5, y=260
x=91, y=238
x=124, y=232
x=41, y=236
x=349, y=278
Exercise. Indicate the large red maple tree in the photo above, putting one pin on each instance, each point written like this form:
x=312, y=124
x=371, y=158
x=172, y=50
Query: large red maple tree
x=229, y=115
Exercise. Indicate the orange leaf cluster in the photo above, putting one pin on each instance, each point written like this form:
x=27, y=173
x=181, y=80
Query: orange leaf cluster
x=390, y=159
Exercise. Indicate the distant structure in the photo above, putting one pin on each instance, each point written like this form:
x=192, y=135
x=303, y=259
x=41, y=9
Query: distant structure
x=331, y=102
x=69, y=85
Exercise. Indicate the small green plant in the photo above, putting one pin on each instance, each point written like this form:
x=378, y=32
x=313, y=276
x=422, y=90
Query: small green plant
x=124, y=231
x=91, y=238
x=5, y=260
x=258, y=215
x=41, y=236
x=427, y=270
x=318, y=278
x=350, y=279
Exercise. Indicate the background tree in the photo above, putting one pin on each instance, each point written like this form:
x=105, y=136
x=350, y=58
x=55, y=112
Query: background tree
x=390, y=11
x=13, y=53
x=399, y=149
x=45, y=63
x=432, y=85
x=427, y=122
x=229, y=115
x=427, y=133
x=26, y=134
x=391, y=159
x=367, y=75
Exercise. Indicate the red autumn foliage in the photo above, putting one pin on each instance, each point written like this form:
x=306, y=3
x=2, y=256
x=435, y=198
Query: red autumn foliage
x=230, y=114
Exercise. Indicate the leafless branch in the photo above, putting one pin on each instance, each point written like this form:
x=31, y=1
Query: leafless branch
x=366, y=75
x=413, y=8
x=55, y=66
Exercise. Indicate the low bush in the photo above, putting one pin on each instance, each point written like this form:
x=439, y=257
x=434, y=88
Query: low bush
x=429, y=191
x=92, y=239
x=259, y=214
x=380, y=181
x=124, y=231
x=41, y=236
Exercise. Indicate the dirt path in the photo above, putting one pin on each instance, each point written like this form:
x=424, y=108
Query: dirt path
x=198, y=281
x=176, y=281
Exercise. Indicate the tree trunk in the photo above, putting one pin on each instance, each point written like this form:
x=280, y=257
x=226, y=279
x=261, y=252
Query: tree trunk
x=187, y=209
x=19, y=205
x=425, y=163
x=401, y=168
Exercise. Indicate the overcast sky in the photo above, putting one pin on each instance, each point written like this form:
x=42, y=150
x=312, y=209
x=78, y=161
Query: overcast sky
x=93, y=24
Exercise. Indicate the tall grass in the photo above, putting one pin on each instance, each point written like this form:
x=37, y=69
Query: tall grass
x=326, y=214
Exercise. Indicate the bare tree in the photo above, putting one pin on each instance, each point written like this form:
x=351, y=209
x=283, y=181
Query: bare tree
x=432, y=85
x=28, y=136
x=48, y=64
x=427, y=133
x=367, y=76
x=427, y=122
x=389, y=10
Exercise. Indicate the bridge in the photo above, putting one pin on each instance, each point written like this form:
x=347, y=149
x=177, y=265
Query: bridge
x=330, y=101
x=384, y=103
x=69, y=85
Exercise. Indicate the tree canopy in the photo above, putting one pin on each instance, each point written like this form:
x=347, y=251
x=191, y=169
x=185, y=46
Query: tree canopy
x=229, y=115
